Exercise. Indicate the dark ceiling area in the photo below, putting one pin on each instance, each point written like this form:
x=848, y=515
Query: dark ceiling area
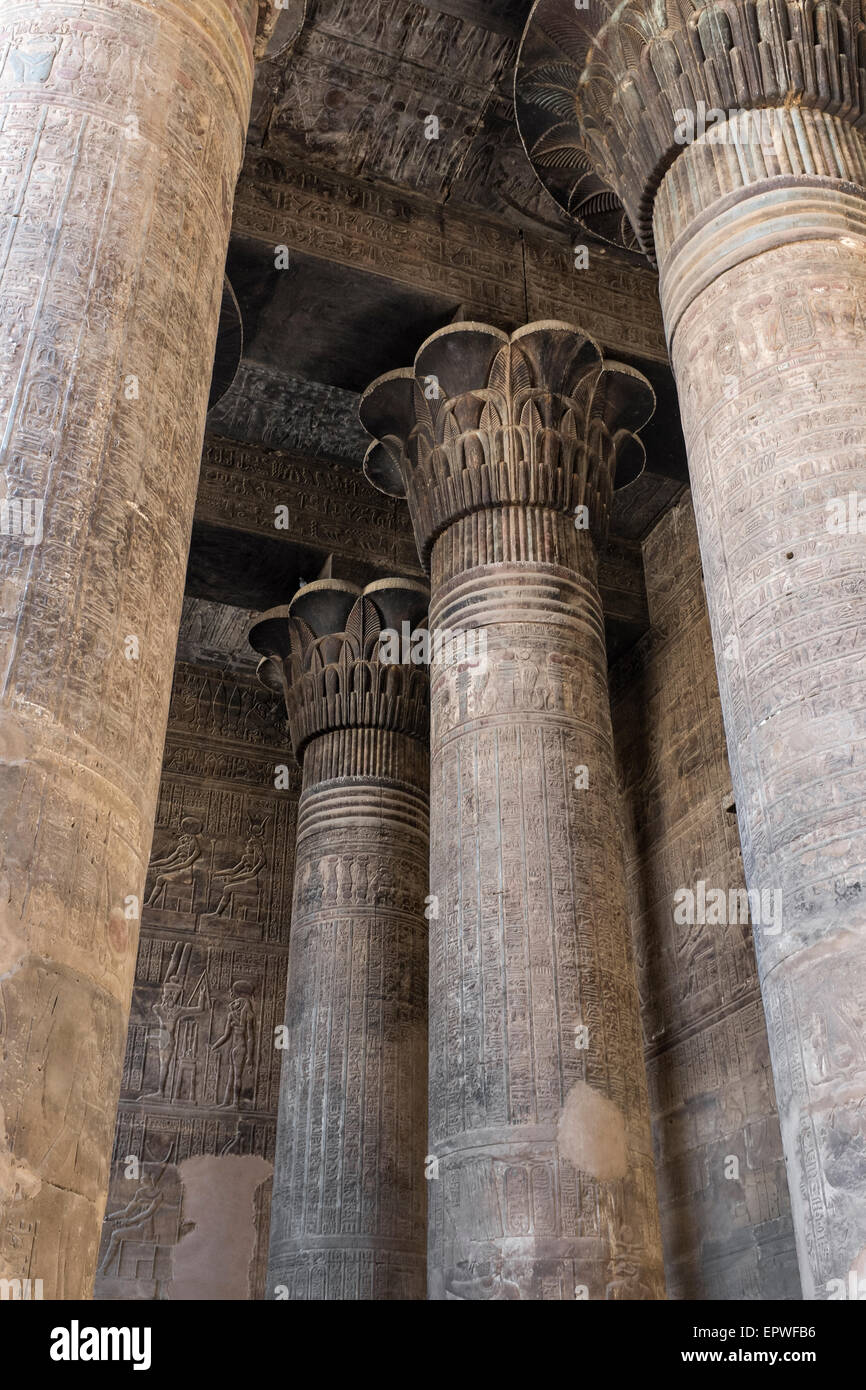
x=326, y=322
x=255, y=571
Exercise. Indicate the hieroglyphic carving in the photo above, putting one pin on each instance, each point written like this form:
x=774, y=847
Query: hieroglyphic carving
x=266, y=23
x=285, y=202
x=602, y=89
x=121, y=134
x=202, y=1027
x=264, y=406
x=213, y=634
x=760, y=232
x=496, y=177
x=364, y=78
x=727, y=1229
x=364, y=75
x=329, y=506
x=545, y=1185
x=785, y=333
x=619, y=294
x=201, y=1077
x=348, y=1218
x=146, y=1216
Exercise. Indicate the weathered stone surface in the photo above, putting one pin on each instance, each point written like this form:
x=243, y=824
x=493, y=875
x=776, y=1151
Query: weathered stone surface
x=763, y=302
x=214, y=634
x=538, y=1111
x=267, y=407
x=604, y=92
x=349, y=1206
x=723, y=1192
x=499, y=275
x=122, y=135
x=759, y=226
x=198, y=1103
x=327, y=508
x=784, y=332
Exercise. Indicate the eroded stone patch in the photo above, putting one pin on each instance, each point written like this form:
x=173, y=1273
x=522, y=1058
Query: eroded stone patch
x=591, y=1134
x=213, y=1260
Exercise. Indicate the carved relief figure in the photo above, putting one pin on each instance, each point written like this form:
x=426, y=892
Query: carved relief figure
x=34, y=66
x=484, y=1281
x=176, y=867
x=626, y=1282
x=131, y=1220
x=240, y=1032
x=243, y=876
x=170, y=1010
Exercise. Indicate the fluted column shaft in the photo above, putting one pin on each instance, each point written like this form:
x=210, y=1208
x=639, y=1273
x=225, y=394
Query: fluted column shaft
x=734, y=145
x=538, y=1106
x=122, y=126
x=349, y=1205
x=763, y=279
x=508, y=450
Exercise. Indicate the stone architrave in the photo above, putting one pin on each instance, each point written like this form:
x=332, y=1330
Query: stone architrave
x=121, y=137
x=506, y=449
x=731, y=140
x=348, y=1216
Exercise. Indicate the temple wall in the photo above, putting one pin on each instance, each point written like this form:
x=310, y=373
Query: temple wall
x=711, y=1089
x=194, y=1146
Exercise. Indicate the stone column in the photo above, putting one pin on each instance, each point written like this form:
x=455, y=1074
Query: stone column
x=759, y=230
x=121, y=134
x=506, y=448
x=348, y=1216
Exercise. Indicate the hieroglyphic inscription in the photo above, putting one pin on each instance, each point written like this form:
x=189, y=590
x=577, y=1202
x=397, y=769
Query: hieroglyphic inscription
x=265, y=406
x=363, y=76
x=770, y=362
x=529, y=948
x=539, y=1117
x=349, y=1202
x=726, y=1226
x=330, y=507
x=121, y=134
x=201, y=1077
x=287, y=203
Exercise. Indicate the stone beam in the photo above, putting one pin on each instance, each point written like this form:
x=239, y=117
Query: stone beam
x=324, y=505
x=331, y=509
x=500, y=275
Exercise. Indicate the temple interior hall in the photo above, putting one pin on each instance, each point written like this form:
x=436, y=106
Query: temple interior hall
x=432, y=612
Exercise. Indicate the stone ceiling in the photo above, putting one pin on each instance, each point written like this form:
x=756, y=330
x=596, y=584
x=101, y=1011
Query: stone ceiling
x=353, y=95
x=340, y=119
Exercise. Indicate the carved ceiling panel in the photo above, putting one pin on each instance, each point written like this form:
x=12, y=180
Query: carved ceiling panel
x=413, y=94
